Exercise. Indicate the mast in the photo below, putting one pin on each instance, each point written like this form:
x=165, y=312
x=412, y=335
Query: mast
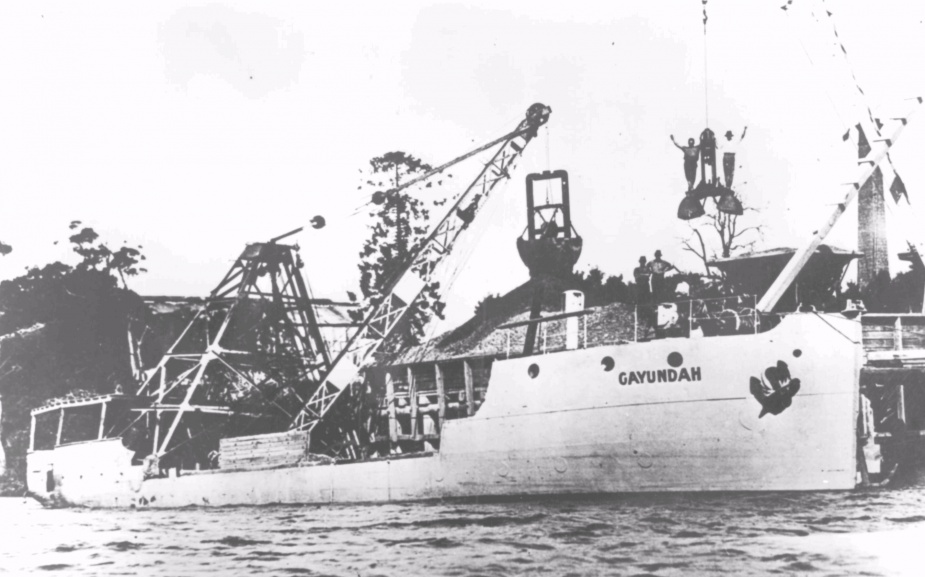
x=872, y=241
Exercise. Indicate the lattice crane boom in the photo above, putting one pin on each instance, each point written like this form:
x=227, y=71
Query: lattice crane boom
x=404, y=290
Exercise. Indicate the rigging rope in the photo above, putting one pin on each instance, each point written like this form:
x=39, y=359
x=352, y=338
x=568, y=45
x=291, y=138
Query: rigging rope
x=812, y=64
x=897, y=189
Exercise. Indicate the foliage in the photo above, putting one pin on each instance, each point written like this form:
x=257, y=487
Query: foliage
x=399, y=227
x=74, y=321
x=599, y=289
x=901, y=294
x=98, y=256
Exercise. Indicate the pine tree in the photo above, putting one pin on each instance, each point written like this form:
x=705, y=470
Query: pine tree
x=398, y=228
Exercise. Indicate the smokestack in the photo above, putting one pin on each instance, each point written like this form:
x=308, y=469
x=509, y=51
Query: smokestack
x=573, y=301
x=871, y=223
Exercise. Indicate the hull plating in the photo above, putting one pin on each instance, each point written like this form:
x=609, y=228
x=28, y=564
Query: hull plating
x=668, y=415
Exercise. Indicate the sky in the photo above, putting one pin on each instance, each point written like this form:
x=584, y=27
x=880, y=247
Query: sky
x=194, y=128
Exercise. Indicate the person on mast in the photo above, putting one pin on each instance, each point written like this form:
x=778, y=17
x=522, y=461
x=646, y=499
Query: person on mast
x=729, y=147
x=691, y=152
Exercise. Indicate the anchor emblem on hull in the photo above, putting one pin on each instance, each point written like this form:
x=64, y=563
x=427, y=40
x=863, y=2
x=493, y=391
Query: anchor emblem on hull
x=775, y=390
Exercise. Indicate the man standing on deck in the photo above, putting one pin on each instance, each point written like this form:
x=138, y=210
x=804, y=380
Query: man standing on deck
x=729, y=147
x=691, y=152
x=658, y=268
x=641, y=276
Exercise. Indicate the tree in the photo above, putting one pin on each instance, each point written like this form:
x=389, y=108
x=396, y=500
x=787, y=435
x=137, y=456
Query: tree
x=600, y=289
x=901, y=294
x=717, y=233
x=398, y=228
x=99, y=257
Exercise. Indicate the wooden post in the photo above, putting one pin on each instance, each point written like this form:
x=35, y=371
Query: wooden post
x=441, y=397
x=32, y=435
x=862, y=466
x=901, y=403
x=413, y=400
x=60, y=426
x=898, y=335
x=470, y=388
x=690, y=317
x=102, y=420
x=390, y=399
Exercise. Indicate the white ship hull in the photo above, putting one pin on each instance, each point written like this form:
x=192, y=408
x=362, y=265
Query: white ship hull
x=574, y=428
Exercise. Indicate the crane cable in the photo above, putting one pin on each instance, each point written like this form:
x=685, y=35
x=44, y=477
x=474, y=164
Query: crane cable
x=462, y=260
x=706, y=95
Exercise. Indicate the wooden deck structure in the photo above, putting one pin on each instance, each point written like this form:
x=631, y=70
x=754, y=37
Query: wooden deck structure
x=415, y=400
x=892, y=384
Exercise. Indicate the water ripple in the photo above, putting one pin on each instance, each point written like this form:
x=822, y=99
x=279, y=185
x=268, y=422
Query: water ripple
x=662, y=535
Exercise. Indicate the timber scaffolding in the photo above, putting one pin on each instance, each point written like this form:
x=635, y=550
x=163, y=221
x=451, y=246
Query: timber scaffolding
x=892, y=411
x=420, y=398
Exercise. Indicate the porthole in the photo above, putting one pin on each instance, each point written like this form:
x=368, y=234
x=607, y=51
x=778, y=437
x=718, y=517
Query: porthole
x=607, y=363
x=675, y=359
x=533, y=370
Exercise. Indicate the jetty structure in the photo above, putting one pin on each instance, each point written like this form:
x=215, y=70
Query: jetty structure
x=271, y=395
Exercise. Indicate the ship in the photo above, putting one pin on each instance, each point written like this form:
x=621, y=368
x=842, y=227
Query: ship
x=270, y=395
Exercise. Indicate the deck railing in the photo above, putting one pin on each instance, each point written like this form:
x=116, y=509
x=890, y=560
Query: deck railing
x=697, y=317
x=555, y=339
x=694, y=317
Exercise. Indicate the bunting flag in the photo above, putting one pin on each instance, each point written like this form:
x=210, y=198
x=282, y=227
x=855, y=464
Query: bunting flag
x=862, y=138
x=704, y=16
x=897, y=188
x=785, y=6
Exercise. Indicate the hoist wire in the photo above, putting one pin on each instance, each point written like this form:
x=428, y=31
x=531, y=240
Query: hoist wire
x=548, y=163
x=706, y=94
x=464, y=256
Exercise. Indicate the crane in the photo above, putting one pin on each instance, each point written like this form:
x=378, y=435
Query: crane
x=405, y=288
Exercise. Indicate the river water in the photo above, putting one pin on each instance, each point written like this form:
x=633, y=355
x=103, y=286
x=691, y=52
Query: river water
x=876, y=532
